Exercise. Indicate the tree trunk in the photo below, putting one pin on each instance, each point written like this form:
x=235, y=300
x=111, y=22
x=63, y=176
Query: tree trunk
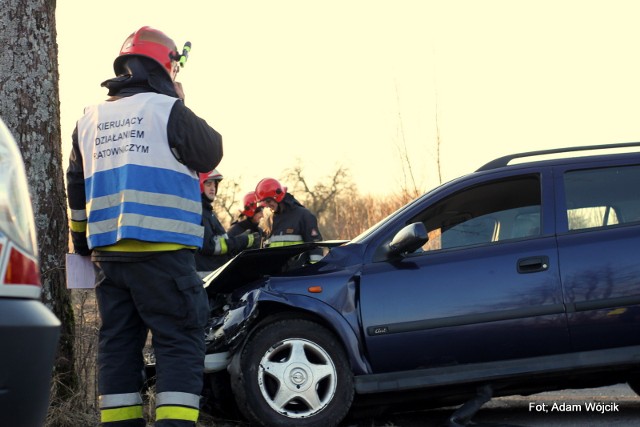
x=30, y=106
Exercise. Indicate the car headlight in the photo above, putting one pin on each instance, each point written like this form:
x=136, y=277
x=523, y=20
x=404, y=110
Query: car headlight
x=16, y=212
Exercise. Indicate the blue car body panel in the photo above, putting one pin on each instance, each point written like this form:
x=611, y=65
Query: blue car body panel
x=555, y=301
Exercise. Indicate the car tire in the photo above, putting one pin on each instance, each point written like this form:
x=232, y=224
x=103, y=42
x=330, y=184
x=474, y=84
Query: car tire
x=293, y=372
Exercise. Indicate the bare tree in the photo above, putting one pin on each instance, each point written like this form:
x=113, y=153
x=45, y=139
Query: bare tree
x=409, y=185
x=410, y=188
x=30, y=106
x=438, y=144
x=321, y=198
x=227, y=202
x=355, y=213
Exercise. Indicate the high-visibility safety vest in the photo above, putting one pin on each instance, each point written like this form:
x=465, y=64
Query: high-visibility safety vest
x=134, y=186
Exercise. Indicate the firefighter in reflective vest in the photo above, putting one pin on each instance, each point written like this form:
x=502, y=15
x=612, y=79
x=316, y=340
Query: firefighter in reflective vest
x=292, y=223
x=218, y=247
x=132, y=186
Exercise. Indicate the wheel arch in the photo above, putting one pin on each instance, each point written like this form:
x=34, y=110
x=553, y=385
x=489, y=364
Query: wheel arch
x=269, y=310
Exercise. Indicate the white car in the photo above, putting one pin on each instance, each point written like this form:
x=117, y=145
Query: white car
x=29, y=331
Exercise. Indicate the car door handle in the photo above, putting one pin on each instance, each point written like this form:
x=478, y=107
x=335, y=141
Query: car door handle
x=533, y=264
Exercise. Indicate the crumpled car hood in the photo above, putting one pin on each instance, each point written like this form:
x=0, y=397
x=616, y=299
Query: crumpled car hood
x=254, y=264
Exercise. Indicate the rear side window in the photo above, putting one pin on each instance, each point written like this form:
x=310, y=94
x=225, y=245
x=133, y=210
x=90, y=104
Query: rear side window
x=602, y=197
x=491, y=212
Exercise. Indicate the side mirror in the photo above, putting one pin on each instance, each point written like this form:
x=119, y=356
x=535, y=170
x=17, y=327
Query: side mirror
x=410, y=238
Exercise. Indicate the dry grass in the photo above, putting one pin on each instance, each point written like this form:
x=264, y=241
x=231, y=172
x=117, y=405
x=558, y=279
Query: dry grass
x=81, y=409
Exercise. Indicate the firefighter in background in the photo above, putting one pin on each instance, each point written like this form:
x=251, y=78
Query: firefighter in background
x=218, y=247
x=132, y=186
x=249, y=220
x=292, y=223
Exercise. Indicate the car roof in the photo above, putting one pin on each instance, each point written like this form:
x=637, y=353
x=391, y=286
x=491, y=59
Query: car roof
x=565, y=154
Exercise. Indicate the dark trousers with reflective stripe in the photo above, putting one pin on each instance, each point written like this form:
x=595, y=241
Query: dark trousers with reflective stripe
x=165, y=295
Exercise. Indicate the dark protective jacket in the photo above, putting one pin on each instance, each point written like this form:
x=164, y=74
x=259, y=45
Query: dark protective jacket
x=247, y=226
x=218, y=247
x=294, y=224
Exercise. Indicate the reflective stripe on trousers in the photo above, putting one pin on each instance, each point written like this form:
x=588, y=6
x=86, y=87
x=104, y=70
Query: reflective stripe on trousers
x=124, y=409
x=178, y=406
x=173, y=408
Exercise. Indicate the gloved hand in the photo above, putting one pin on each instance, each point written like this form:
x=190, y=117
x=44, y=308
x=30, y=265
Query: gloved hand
x=238, y=243
x=81, y=249
x=80, y=243
x=254, y=239
x=257, y=240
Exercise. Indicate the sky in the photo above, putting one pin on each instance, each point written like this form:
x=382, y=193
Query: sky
x=366, y=84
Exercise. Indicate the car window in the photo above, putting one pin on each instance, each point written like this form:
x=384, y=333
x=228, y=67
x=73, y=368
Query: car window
x=491, y=212
x=602, y=197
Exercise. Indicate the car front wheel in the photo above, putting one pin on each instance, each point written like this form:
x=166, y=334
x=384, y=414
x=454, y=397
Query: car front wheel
x=293, y=372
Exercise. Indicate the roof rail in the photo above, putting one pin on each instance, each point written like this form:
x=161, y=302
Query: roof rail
x=504, y=161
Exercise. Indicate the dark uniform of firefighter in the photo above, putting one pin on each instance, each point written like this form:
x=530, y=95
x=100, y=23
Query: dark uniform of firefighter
x=218, y=247
x=292, y=223
x=135, y=207
x=249, y=220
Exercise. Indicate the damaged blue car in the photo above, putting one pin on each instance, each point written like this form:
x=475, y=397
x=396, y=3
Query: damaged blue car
x=521, y=277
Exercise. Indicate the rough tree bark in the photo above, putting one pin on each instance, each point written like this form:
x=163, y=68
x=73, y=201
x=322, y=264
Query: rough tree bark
x=30, y=106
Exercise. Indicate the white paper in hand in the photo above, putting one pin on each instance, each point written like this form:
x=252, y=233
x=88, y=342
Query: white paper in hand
x=80, y=273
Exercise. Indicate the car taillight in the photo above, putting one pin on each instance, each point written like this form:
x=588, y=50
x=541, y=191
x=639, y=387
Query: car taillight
x=21, y=270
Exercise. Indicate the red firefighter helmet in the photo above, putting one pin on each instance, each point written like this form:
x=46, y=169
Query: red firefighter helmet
x=270, y=188
x=208, y=176
x=250, y=205
x=153, y=44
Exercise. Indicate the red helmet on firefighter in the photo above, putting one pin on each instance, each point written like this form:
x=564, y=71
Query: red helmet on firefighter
x=270, y=188
x=153, y=44
x=214, y=175
x=250, y=205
